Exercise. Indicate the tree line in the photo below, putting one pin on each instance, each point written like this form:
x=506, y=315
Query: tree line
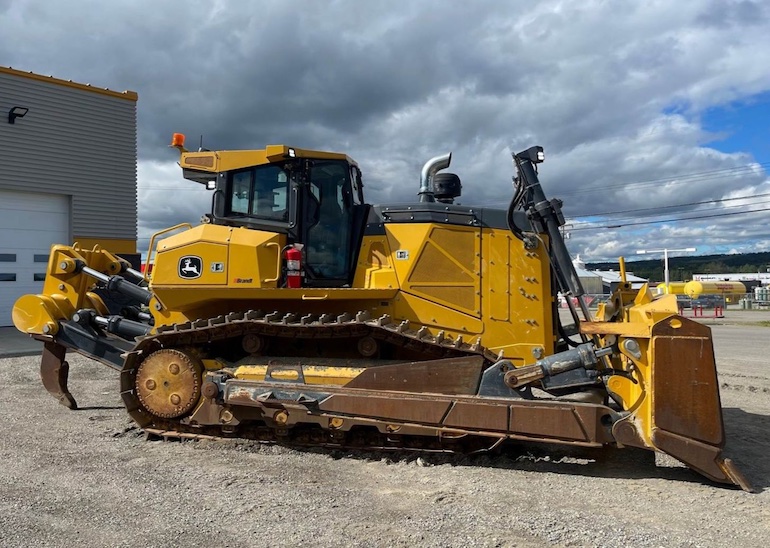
x=683, y=268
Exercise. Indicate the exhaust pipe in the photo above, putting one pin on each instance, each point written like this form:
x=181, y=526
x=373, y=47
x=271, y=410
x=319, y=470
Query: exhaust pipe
x=431, y=167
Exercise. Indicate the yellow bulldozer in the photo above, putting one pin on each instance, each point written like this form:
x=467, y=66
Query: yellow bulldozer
x=297, y=313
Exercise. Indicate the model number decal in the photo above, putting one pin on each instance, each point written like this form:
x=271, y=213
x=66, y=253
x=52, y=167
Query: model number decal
x=402, y=255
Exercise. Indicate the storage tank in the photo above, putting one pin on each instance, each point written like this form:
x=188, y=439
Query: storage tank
x=674, y=288
x=696, y=289
x=761, y=293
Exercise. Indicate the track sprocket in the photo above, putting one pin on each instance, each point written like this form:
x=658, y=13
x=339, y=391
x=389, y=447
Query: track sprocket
x=168, y=383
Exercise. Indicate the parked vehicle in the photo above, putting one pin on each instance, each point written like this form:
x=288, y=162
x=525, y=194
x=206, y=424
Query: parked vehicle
x=709, y=301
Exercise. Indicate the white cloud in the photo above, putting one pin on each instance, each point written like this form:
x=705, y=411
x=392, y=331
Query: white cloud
x=166, y=199
x=614, y=94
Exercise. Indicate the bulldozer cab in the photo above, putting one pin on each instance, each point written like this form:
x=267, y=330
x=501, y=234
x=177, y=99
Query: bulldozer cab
x=316, y=202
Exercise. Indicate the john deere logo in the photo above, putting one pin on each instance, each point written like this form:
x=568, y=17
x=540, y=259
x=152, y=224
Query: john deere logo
x=190, y=267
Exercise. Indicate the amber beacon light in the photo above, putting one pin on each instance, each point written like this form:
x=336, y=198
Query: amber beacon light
x=177, y=140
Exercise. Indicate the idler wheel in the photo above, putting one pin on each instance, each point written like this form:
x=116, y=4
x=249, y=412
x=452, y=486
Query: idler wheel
x=367, y=347
x=252, y=343
x=168, y=383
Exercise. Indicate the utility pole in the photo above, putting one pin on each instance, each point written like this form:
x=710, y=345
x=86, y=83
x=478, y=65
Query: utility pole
x=665, y=252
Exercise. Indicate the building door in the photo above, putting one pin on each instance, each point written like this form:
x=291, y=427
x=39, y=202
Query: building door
x=29, y=224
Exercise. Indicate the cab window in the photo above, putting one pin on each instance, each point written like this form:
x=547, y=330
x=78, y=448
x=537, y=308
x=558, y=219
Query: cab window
x=241, y=190
x=260, y=192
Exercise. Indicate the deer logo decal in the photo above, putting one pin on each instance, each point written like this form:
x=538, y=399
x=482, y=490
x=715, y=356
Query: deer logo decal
x=190, y=267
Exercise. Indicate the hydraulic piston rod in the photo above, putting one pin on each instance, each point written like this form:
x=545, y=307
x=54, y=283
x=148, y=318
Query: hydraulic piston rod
x=584, y=355
x=112, y=324
x=121, y=285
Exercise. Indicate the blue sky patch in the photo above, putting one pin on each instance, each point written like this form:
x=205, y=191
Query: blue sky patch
x=743, y=126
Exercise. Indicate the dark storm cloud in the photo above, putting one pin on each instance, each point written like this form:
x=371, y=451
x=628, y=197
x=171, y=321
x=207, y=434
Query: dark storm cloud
x=733, y=13
x=613, y=93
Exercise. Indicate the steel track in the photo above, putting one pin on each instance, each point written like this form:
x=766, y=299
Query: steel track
x=274, y=326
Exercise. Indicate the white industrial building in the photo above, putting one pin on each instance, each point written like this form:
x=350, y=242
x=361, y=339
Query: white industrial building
x=763, y=277
x=68, y=156
x=603, y=281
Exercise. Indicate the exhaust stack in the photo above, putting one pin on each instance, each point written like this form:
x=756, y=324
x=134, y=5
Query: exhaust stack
x=431, y=167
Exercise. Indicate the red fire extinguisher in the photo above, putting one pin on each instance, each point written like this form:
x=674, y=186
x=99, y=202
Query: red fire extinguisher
x=294, y=266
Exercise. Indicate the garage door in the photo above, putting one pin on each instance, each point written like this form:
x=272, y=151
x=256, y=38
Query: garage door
x=29, y=224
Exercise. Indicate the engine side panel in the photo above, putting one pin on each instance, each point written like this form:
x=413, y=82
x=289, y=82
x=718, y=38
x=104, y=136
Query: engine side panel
x=478, y=282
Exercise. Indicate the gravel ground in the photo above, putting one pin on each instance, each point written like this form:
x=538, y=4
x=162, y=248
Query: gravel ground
x=88, y=477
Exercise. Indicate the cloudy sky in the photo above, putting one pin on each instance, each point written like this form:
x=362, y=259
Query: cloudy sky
x=653, y=114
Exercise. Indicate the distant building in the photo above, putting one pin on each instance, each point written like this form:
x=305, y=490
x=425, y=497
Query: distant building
x=68, y=156
x=611, y=280
x=762, y=277
x=591, y=281
x=603, y=282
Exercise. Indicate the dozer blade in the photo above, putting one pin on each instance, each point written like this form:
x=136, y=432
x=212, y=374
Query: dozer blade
x=685, y=412
x=686, y=403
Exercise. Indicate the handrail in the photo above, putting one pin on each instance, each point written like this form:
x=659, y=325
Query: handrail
x=278, y=263
x=306, y=297
x=152, y=241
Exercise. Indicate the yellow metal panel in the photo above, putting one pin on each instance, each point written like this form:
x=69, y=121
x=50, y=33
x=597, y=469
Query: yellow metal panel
x=498, y=275
x=435, y=265
x=314, y=374
x=200, y=233
x=167, y=265
x=438, y=262
x=437, y=317
x=637, y=330
x=226, y=160
x=374, y=268
x=255, y=255
x=206, y=242
x=460, y=243
x=518, y=299
x=443, y=270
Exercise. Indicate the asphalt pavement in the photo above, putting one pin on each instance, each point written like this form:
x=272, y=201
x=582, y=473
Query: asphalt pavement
x=14, y=343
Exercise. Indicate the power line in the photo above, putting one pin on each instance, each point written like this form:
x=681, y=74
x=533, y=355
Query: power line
x=702, y=176
x=681, y=178
x=623, y=225
x=718, y=200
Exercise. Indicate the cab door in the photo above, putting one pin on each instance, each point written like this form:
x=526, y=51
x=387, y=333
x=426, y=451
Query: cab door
x=333, y=224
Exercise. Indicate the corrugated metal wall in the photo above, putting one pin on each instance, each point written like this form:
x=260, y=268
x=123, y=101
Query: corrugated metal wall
x=76, y=142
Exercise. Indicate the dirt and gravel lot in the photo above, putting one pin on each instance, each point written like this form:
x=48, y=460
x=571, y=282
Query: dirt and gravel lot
x=88, y=477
